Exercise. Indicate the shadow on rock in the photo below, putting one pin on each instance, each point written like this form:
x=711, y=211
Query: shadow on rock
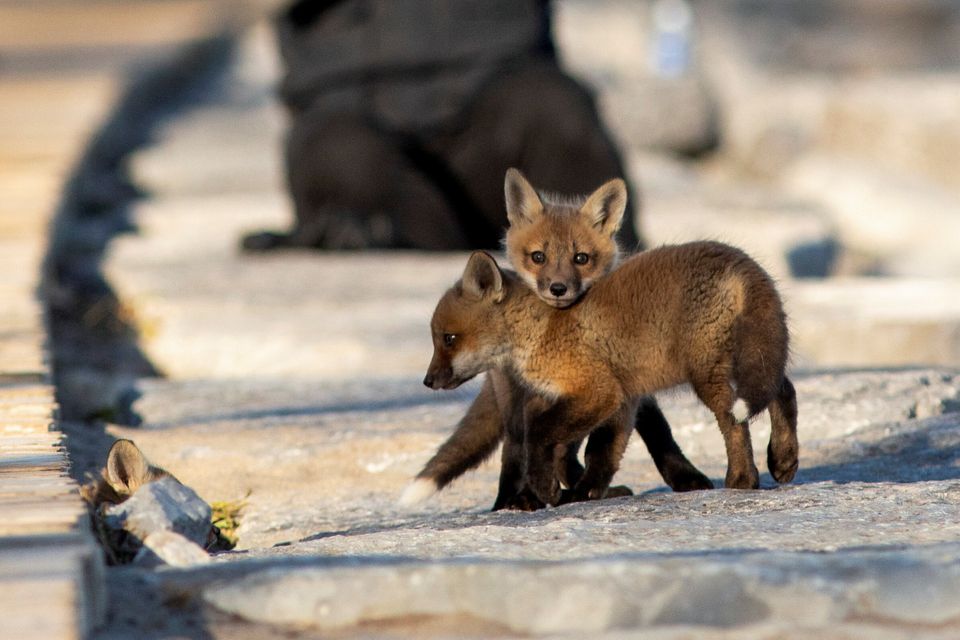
x=96, y=356
x=915, y=451
x=398, y=403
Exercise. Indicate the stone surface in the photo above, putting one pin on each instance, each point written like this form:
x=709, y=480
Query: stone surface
x=170, y=548
x=861, y=122
x=163, y=505
x=62, y=67
x=618, y=593
x=294, y=384
x=905, y=222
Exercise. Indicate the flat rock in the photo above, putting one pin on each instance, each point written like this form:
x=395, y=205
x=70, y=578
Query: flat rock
x=876, y=499
x=906, y=222
x=163, y=505
x=625, y=592
x=166, y=547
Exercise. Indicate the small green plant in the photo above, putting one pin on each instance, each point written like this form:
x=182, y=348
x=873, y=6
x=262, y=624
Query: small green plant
x=225, y=518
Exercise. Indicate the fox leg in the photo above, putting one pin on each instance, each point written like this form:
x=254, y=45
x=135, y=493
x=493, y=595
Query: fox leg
x=550, y=428
x=714, y=390
x=570, y=471
x=513, y=492
x=678, y=472
x=604, y=451
x=783, y=450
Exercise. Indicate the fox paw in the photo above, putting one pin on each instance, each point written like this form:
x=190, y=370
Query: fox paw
x=580, y=495
x=525, y=500
x=692, y=481
x=618, y=491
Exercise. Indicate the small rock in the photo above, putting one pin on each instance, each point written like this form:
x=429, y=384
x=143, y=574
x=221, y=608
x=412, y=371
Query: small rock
x=169, y=547
x=164, y=505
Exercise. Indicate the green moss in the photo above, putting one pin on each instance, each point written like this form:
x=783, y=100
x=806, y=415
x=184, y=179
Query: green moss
x=225, y=518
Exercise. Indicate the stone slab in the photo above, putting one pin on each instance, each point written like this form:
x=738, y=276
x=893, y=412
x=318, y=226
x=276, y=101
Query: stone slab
x=63, y=65
x=796, y=591
x=50, y=586
x=876, y=500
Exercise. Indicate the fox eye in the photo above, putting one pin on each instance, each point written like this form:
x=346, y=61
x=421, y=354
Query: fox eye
x=449, y=339
x=581, y=258
x=539, y=257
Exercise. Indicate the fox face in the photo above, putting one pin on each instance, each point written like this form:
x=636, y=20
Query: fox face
x=465, y=326
x=560, y=248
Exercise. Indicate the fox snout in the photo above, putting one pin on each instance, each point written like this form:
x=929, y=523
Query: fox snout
x=559, y=293
x=430, y=380
x=439, y=375
x=441, y=379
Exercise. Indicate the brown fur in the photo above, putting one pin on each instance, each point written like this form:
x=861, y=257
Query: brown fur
x=127, y=470
x=702, y=313
x=560, y=228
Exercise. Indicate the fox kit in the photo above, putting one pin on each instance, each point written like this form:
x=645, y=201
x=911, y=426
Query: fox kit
x=560, y=247
x=702, y=313
x=126, y=471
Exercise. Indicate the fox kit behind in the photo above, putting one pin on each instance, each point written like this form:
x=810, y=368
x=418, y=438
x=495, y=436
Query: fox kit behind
x=560, y=246
x=702, y=313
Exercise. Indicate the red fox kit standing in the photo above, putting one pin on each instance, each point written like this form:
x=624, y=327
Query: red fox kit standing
x=559, y=248
x=703, y=313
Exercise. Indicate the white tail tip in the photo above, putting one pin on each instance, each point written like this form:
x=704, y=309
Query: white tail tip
x=740, y=411
x=417, y=491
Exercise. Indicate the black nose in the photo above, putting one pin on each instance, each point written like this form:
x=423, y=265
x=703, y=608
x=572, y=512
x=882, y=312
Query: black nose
x=558, y=289
x=428, y=380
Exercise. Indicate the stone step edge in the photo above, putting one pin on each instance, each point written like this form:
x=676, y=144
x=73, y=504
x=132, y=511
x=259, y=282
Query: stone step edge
x=82, y=555
x=905, y=588
x=61, y=563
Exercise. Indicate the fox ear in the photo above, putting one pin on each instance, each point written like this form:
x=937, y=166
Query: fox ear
x=523, y=203
x=482, y=277
x=606, y=205
x=127, y=467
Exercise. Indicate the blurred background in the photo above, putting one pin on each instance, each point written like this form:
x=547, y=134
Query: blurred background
x=823, y=136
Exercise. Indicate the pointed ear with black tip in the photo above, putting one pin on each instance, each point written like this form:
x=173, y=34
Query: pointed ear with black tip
x=127, y=467
x=605, y=206
x=523, y=204
x=482, y=277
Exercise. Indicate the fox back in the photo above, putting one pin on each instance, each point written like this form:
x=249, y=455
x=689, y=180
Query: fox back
x=665, y=315
x=559, y=246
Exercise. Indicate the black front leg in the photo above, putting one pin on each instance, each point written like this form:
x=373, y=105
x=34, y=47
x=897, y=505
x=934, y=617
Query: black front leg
x=550, y=429
x=511, y=473
x=678, y=472
x=570, y=469
x=604, y=451
x=513, y=492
